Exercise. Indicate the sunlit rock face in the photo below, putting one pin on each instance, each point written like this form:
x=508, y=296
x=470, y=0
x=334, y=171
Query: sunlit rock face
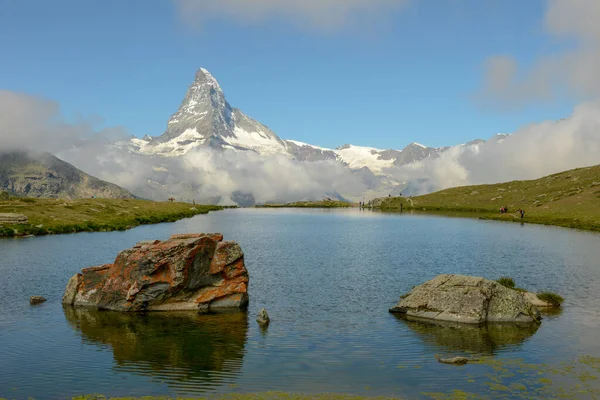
x=186, y=272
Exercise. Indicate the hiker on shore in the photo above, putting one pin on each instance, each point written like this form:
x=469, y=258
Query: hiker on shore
x=522, y=212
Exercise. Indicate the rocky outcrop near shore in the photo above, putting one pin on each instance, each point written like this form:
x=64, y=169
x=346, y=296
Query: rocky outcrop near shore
x=466, y=299
x=186, y=272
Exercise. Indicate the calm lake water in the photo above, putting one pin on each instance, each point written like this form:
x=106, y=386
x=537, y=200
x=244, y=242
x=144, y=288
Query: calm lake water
x=327, y=278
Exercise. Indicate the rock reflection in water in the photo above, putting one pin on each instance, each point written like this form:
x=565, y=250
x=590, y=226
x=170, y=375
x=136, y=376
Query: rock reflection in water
x=175, y=347
x=486, y=339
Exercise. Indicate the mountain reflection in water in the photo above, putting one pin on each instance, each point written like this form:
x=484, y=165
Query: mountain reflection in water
x=485, y=339
x=174, y=347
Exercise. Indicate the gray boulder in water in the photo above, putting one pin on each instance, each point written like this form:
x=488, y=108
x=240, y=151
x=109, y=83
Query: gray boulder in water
x=466, y=299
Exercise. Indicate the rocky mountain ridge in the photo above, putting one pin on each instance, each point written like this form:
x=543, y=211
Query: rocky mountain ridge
x=44, y=175
x=206, y=120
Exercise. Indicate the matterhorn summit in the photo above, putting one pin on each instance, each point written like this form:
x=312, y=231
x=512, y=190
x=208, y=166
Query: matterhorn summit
x=205, y=119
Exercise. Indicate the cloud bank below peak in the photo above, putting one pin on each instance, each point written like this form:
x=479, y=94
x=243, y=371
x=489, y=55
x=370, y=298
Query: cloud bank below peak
x=531, y=152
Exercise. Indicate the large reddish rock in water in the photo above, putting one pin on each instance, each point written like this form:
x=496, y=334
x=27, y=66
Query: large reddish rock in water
x=186, y=272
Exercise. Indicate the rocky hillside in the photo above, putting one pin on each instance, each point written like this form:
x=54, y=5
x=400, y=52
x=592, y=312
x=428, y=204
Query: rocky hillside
x=44, y=175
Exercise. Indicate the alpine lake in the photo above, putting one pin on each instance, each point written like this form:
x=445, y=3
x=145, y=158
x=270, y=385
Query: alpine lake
x=327, y=279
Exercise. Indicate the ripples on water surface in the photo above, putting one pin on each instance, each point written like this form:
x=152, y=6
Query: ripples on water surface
x=326, y=277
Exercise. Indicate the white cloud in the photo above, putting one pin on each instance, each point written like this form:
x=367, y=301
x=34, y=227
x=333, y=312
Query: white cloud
x=529, y=153
x=214, y=176
x=28, y=122
x=327, y=15
x=571, y=72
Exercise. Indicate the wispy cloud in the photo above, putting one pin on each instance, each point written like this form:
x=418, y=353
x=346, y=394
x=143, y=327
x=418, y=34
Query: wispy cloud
x=320, y=15
x=572, y=72
x=29, y=122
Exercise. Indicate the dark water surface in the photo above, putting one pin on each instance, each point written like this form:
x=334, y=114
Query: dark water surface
x=327, y=279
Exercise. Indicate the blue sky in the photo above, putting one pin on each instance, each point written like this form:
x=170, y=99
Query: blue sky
x=413, y=76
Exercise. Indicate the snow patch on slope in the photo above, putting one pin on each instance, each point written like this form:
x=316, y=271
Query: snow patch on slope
x=358, y=157
x=180, y=145
x=302, y=144
x=258, y=141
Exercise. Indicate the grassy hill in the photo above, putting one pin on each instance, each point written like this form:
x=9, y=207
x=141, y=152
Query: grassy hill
x=48, y=216
x=569, y=199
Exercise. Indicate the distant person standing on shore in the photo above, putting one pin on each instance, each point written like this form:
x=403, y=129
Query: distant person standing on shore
x=522, y=212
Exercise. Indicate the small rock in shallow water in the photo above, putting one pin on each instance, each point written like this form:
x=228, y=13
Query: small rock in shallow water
x=263, y=318
x=456, y=360
x=36, y=300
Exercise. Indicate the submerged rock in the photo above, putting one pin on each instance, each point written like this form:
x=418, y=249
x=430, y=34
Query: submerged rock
x=186, y=272
x=454, y=360
x=263, y=318
x=466, y=299
x=36, y=300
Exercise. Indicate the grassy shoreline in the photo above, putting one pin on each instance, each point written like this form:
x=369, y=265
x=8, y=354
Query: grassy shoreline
x=310, y=204
x=56, y=216
x=569, y=199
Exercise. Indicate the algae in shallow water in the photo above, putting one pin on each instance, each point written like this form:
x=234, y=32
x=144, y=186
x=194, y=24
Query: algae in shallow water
x=513, y=378
x=253, y=396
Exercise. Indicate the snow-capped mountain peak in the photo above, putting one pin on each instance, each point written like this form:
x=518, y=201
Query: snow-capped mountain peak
x=205, y=77
x=205, y=118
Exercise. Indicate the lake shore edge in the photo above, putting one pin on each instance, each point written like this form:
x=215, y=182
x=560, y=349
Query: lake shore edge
x=59, y=216
x=491, y=215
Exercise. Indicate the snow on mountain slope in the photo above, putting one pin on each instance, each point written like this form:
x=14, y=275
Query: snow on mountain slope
x=177, y=146
x=205, y=119
x=252, y=135
x=302, y=144
x=358, y=157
